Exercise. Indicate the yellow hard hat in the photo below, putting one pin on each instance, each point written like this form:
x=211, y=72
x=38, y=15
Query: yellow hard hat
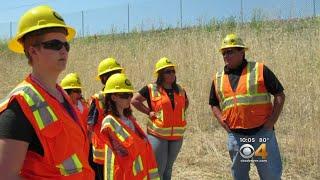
x=118, y=83
x=108, y=65
x=232, y=40
x=163, y=63
x=71, y=81
x=38, y=18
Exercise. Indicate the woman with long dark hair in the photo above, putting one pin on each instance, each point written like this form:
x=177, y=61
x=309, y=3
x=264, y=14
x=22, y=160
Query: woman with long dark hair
x=167, y=103
x=128, y=154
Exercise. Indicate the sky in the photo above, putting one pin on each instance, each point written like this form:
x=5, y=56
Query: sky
x=106, y=16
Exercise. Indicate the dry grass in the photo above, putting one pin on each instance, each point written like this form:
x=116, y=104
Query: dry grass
x=292, y=53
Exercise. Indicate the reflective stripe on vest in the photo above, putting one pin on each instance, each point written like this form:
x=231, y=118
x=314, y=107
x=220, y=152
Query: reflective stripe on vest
x=98, y=153
x=41, y=110
x=219, y=80
x=70, y=166
x=262, y=98
x=116, y=127
x=154, y=91
x=159, y=115
x=170, y=131
x=153, y=174
x=109, y=166
x=251, y=98
x=137, y=166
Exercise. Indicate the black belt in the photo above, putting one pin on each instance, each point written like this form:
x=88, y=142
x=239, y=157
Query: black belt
x=247, y=132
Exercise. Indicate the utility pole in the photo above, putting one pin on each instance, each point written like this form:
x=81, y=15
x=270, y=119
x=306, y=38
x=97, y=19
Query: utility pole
x=241, y=11
x=10, y=29
x=314, y=8
x=128, y=18
x=181, y=14
x=82, y=22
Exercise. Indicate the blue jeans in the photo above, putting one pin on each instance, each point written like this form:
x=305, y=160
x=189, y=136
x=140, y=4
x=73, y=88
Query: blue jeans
x=166, y=153
x=269, y=168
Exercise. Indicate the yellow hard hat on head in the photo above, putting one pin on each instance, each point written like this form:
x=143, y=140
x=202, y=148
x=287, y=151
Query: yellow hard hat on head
x=37, y=18
x=118, y=83
x=232, y=40
x=108, y=65
x=163, y=63
x=71, y=81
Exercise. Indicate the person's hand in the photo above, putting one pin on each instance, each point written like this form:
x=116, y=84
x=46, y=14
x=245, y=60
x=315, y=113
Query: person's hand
x=152, y=114
x=224, y=125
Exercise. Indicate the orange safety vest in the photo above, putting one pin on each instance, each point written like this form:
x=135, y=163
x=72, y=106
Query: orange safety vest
x=250, y=105
x=129, y=154
x=64, y=140
x=169, y=123
x=96, y=138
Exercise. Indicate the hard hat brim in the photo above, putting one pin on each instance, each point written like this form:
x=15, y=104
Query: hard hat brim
x=157, y=70
x=72, y=87
x=118, y=91
x=109, y=70
x=233, y=46
x=17, y=47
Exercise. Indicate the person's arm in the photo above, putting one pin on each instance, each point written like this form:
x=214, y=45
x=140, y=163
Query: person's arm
x=137, y=102
x=217, y=113
x=16, y=133
x=214, y=103
x=93, y=114
x=187, y=100
x=278, y=102
x=12, y=156
x=139, y=98
x=275, y=88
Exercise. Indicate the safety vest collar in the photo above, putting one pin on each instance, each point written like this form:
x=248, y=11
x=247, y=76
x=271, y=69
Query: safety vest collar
x=42, y=112
x=121, y=133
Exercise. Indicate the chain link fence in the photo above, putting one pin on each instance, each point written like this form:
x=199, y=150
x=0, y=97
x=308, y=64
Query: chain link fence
x=161, y=14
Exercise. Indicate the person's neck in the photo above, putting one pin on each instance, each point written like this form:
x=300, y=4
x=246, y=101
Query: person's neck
x=120, y=110
x=47, y=82
x=167, y=86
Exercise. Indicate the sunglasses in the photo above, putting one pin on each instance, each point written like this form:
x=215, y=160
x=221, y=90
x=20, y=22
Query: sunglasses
x=76, y=91
x=55, y=45
x=125, y=95
x=229, y=52
x=169, y=71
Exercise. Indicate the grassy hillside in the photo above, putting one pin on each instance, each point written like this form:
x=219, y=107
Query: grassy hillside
x=290, y=49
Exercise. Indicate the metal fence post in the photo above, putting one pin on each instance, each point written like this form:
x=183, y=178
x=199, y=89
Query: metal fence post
x=181, y=14
x=10, y=29
x=82, y=22
x=128, y=18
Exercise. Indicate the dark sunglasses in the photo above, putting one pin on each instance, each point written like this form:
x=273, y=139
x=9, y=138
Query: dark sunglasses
x=55, y=45
x=229, y=52
x=169, y=71
x=125, y=95
x=76, y=91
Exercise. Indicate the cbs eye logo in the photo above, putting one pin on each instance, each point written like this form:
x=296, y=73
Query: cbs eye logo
x=247, y=151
